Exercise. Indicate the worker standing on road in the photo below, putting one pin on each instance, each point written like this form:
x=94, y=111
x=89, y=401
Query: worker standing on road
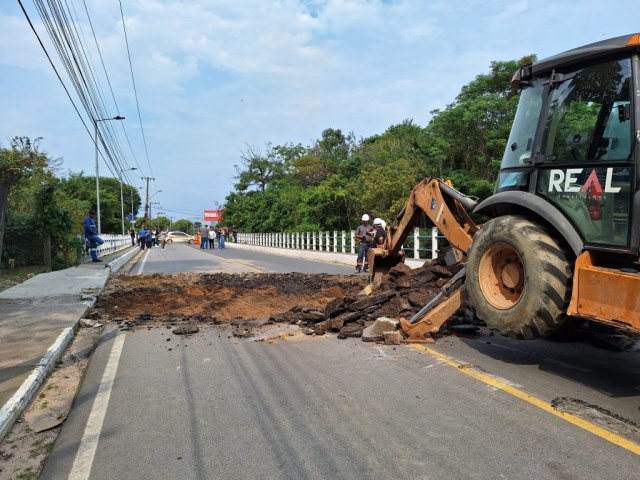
x=212, y=238
x=380, y=233
x=162, y=237
x=132, y=233
x=142, y=238
x=364, y=235
x=204, y=238
x=220, y=235
x=91, y=234
x=149, y=238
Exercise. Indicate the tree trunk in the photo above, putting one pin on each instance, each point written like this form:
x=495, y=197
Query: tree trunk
x=46, y=252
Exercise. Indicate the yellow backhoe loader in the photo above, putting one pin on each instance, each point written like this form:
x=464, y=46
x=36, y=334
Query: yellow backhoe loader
x=564, y=234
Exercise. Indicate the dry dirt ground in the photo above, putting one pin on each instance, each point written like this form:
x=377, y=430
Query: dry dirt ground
x=316, y=303
x=146, y=301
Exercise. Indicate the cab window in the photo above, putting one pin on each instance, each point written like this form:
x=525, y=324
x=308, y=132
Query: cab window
x=589, y=116
x=587, y=162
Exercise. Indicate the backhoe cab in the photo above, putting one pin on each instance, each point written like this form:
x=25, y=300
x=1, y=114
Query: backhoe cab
x=564, y=234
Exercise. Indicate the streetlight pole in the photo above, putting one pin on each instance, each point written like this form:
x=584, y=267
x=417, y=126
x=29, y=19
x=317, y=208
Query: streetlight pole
x=121, y=199
x=95, y=139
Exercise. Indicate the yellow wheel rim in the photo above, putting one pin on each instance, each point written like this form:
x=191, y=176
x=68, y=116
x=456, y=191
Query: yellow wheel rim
x=501, y=276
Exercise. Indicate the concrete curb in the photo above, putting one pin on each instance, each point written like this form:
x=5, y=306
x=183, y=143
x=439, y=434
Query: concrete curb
x=341, y=258
x=118, y=263
x=14, y=407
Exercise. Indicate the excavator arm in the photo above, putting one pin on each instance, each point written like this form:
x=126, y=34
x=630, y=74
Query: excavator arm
x=447, y=209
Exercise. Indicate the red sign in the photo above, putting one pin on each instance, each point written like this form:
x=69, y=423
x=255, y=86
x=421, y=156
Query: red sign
x=213, y=215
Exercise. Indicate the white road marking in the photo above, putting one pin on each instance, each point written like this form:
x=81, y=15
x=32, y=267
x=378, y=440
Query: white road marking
x=384, y=355
x=144, y=259
x=437, y=364
x=83, y=461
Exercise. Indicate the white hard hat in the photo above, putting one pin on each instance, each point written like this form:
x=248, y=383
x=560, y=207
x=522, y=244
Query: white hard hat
x=365, y=218
x=377, y=221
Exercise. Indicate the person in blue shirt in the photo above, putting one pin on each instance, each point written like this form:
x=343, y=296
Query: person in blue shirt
x=142, y=235
x=91, y=234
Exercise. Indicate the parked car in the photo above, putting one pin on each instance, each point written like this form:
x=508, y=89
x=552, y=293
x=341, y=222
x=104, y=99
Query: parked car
x=179, y=237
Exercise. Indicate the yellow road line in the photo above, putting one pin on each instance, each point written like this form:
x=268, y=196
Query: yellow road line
x=244, y=263
x=537, y=402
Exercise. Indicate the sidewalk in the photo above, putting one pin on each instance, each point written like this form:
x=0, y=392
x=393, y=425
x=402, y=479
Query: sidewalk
x=37, y=320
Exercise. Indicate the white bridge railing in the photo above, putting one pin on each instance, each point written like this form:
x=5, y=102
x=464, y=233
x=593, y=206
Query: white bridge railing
x=112, y=243
x=416, y=246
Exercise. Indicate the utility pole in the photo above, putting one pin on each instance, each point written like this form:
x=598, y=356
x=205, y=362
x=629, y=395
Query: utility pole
x=146, y=203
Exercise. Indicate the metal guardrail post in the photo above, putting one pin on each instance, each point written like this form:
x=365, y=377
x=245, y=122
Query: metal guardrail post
x=434, y=243
x=416, y=242
x=352, y=236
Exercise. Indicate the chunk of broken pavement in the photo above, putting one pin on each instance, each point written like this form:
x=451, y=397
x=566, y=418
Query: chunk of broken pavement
x=371, y=301
x=375, y=332
x=392, y=338
x=185, y=330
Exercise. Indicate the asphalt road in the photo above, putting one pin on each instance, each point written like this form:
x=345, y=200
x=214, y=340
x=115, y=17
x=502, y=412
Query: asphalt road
x=214, y=406
x=179, y=258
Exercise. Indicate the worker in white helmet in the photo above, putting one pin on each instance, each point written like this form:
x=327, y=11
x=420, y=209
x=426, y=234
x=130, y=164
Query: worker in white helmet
x=379, y=234
x=364, y=233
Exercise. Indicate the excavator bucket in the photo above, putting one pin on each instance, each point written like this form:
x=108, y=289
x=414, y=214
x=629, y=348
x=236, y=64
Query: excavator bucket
x=435, y=313
x=380, y=262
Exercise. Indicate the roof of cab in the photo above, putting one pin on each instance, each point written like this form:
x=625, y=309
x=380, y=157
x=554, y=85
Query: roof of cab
x=612, y=46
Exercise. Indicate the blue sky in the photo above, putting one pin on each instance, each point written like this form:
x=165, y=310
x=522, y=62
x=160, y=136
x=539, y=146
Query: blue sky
x=215, y=77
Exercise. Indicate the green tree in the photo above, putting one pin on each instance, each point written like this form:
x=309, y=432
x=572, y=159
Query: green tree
x=259, y=169
x=55, y=225
x=22, y=159
x=467, y=138
x=80, y=195
x=183, y=225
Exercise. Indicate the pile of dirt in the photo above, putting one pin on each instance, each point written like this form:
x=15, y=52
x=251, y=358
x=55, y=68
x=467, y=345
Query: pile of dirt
x=173, y=300
x=400, y=293
x=317, y=303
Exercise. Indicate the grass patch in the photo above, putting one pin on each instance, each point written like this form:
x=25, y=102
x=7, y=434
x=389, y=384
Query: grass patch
x=40, y=447
x=10, y=277
x=27, y=474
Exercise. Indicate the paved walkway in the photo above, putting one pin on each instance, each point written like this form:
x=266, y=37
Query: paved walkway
x=37, y=318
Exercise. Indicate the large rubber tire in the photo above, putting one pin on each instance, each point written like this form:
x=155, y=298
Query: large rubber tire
x=518, y=278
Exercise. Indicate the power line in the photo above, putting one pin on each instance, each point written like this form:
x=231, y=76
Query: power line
x=135, y=91
x=53, y=66
x=68, y=41
x=104, y=68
